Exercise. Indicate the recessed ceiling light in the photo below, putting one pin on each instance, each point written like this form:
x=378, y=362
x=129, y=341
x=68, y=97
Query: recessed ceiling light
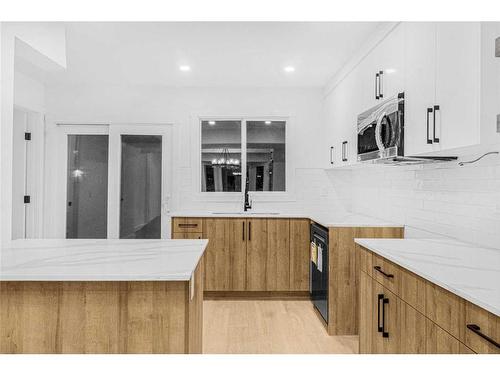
x=211, y=123
x=267, y=122
x=289, y=69
x=184, y=68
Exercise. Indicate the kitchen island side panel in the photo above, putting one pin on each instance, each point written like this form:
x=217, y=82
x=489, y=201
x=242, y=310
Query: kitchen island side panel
x=99, y=317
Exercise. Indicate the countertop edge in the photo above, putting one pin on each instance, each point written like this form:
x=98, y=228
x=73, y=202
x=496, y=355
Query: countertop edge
x=492, y=309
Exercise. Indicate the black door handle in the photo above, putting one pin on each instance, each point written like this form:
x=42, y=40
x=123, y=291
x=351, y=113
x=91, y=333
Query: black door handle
x=477, y=330
x=243, y=229
x=344, y=151
x=379, y=269
x=436, y=139
x=376, y=86
x=380, y=84
x=249, y=231
x=380, y=327
x=429, y=140
x=331, y=155
x=385, y=301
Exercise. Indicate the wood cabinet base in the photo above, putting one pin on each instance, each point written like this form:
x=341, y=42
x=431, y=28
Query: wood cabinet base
x=101, y=317
x=281, y=295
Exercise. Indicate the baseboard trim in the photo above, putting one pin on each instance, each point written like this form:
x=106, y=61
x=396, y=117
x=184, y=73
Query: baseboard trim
x=282, y=295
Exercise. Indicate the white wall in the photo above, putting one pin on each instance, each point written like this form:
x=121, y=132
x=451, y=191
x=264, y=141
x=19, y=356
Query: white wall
x=46, y=40
x=308, y=185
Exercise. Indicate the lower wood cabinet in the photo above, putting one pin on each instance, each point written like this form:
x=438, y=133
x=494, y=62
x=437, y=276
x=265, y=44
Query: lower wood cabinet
x=253, y=255
x=413, y=315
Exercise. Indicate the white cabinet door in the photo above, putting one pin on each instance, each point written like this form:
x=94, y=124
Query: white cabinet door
x=390, y=61
x=420, y=83
x=458, y=77
x=490, y=84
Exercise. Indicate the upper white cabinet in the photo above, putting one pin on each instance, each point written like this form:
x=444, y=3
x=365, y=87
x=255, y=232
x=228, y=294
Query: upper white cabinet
x=442, y=86
x=420, y=85
x=451, y=80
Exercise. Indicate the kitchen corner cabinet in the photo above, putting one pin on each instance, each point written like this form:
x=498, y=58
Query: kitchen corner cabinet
x=402, y=313
x=251, y=255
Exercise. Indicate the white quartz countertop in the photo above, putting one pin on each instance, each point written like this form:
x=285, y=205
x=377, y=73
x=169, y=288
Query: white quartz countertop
x=325, y=219
x=470, y=272
x=100, y=260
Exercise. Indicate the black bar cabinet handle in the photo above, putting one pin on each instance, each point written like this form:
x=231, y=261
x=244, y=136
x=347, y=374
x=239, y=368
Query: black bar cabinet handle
x=380, y=328
x=436, y=108
x=249, y=231
x=376, y=86
x=243, y=228
x=380, y=84
x=379, y=269
x=429, y=140
x=477, y=330
x=385, y=301
x=344, y=151
x=331, y=155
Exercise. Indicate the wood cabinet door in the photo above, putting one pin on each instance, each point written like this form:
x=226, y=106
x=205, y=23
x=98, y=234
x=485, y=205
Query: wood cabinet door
x=256, y=236
x=299, y=254
x=438, y=341
x=412, y=332
x=366, y=313
x=386, y=316
x=278, y=255
x=237, y=252
x=216, y=258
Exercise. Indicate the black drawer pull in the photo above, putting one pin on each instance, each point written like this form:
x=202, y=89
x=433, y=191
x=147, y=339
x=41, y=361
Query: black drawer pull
x=379, y=269
x=187, y=225
x=436, y=139
x=380, y=327
x=429, y=139
x=385, y=301
x=477, y=330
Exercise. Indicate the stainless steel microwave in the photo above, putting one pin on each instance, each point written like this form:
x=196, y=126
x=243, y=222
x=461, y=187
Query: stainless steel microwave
x=381, y=130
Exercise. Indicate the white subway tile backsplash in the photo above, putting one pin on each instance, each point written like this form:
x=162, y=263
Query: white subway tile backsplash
x=435, y=199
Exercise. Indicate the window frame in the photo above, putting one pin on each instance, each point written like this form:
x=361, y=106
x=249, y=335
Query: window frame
x=262, y=195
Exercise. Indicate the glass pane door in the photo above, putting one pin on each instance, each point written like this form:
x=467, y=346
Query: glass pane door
x=140, y=186
x=87, y=186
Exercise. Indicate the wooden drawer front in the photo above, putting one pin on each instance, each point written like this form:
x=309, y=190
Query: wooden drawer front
x=481, y=322
x=187, y=225
x=365, y=259
x=186, y=236
x=445, y=309
x=412, y=290
x=386, y=273
x=438, y=341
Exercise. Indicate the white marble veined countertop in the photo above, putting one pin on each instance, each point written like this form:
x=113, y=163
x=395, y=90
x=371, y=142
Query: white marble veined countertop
x=100, y=260
x=325, y=219
x=468, y=271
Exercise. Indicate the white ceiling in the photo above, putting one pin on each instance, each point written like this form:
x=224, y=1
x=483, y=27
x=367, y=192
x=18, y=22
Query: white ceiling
x=219, y=53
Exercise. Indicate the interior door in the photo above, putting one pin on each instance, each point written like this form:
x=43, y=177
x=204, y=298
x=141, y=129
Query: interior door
x=139, y=180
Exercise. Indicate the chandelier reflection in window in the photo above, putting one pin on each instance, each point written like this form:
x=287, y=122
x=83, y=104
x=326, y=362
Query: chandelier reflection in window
x=226, y=161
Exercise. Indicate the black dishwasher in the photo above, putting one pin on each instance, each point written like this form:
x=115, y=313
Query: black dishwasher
x=318, y=275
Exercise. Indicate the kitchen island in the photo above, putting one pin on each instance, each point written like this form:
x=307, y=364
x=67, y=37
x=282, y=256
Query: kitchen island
x=101, y=296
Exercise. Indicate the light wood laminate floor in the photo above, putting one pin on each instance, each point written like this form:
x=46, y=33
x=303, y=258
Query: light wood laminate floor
x=268, y=327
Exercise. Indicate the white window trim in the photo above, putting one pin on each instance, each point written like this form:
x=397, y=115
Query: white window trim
x=257, y=196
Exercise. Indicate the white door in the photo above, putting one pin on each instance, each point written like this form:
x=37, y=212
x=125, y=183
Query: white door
x=458, y=77
x=117, y=180
x=140, y=176
x=420, y=83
